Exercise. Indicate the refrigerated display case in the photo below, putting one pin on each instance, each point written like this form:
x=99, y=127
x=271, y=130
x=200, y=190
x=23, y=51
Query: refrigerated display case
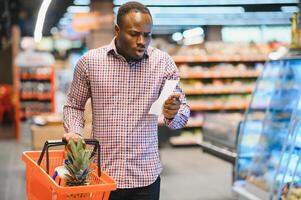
x=287, y=183
x=262, y=147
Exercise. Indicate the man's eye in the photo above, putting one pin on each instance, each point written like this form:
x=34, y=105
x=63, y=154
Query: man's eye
x=133, y=33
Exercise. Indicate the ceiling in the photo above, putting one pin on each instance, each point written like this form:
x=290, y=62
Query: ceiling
x=167, y=14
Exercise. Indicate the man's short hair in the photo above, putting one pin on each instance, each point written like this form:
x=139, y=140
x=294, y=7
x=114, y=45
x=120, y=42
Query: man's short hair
x=131, y=6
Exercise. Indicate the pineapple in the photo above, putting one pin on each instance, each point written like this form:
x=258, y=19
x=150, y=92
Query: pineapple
x=77, y=163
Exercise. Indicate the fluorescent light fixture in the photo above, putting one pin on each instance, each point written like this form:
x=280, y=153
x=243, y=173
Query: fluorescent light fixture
x=40, y=21
x=78, y=9
x=193, y=10
x=193, y=32
x=81, y=2
x=193, y=41
x=177, y=36
x=289, y=9
x=247, y=18
x=207, y=2
x=202, y=10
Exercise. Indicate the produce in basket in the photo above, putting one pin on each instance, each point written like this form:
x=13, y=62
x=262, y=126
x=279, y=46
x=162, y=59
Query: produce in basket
x=77, y=163
x=76, y=167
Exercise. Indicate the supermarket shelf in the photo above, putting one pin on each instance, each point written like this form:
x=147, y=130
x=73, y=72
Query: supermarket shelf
x=37, y=77
x=219, y=152
x=203, y=107
x=220, y=74
x=219, y=90
x=219, y=58
x=36, y=96
x=185, y=141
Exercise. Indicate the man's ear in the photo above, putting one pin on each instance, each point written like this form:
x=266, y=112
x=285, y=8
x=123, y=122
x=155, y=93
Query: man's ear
x=117, y=30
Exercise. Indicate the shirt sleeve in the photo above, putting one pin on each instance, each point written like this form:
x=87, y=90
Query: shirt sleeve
x=181, y=118
x=78, y=94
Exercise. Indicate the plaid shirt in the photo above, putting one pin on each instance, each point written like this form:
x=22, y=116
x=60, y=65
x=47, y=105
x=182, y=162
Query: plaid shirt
x=122, y=94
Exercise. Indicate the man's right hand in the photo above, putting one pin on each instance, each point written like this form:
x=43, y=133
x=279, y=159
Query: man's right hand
x=69, y=136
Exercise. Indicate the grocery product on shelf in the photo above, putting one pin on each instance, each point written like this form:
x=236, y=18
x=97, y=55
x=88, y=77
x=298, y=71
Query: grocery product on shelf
x=36, y=91
x=221, y=87
x=219, y=77
x=218, y=50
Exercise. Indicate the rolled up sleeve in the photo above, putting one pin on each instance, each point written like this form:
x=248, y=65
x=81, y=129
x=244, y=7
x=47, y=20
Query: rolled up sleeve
x=78, y=94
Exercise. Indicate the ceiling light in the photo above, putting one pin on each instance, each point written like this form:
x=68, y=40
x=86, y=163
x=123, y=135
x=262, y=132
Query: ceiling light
x=78, y=9
x=68, y=15
x=208, y=2
x=54, y=30
x=64, y=21
x=81, y=2
x=177, y=36
x=193, y=10
x=201, y=10
x=193, y=32
x=247, y=18
x=40, y=21
x=289, y=9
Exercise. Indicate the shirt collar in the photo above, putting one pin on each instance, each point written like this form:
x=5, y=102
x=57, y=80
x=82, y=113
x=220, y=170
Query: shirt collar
x=112, y=49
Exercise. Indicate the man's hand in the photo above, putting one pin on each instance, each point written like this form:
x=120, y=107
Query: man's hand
x=171, y=106
x=69, y=136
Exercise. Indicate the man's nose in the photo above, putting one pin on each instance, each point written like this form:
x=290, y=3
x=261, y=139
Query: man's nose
x=140, y=39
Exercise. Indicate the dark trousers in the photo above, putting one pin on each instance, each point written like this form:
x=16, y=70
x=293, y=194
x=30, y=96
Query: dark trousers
x=151, y=192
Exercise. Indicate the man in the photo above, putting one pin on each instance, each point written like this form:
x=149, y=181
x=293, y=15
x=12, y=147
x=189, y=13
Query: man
x=123, y=79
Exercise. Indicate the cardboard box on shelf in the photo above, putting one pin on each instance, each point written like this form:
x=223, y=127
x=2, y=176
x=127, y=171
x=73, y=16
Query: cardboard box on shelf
x=55, y=131
x=40, y=134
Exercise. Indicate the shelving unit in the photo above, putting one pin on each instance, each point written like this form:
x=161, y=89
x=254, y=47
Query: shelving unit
x=218, y=88
x=36, y=92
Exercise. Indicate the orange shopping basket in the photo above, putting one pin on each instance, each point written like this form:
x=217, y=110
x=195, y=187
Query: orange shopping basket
x=41, y=186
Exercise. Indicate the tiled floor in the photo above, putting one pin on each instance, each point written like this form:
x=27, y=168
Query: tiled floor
x=188, y=174
x=12, y=184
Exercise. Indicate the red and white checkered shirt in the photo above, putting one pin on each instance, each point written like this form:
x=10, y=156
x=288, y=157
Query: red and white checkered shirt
x=122, y=94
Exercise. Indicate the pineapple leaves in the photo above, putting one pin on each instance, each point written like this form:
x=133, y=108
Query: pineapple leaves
x=78, y=162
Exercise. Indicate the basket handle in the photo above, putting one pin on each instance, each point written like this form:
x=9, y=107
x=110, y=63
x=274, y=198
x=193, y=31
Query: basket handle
x=54, y=143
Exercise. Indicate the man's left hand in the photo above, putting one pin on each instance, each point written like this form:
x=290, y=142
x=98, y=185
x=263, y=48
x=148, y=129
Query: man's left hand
x=171, y=106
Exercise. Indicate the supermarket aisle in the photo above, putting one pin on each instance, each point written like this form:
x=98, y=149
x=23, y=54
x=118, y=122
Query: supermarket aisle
x=188, y=174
